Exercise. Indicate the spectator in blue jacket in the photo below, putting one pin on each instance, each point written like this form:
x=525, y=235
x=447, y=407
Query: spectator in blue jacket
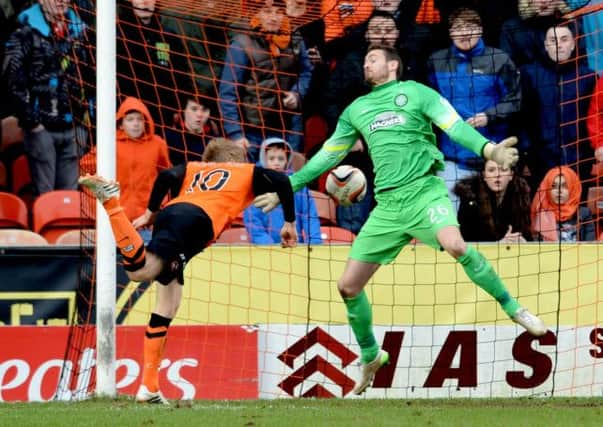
x=275, y=153
x=481, y=83
x=265, y=78
x=557, y=93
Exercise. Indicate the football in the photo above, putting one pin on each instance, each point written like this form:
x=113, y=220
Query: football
x=346, y=185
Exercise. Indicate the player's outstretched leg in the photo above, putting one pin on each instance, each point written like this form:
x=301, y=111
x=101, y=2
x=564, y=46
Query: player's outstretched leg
x=102, y=188
x=360, y=318
x=129, y=242
x=480, y=271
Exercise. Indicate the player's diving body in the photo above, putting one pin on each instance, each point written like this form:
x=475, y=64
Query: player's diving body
x=395, y=119
x=208, y=196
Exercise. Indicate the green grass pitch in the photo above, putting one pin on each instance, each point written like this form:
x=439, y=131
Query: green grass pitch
x=517, y=412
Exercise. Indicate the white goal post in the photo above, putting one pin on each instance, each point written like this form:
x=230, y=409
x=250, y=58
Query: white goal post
x=105, y=160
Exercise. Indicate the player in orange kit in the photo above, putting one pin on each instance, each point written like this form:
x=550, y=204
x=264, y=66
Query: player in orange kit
x=207, y=196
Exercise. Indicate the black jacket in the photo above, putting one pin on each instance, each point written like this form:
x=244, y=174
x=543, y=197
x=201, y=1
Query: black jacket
x=151, y=65
x=481, y=220
x=46, y=71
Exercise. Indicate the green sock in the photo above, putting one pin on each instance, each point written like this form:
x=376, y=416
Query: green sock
x=481, y=272
x=360, y=317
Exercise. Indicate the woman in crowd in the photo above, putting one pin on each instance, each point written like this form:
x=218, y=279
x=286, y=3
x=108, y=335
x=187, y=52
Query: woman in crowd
x=556, y=213
x=494, y=205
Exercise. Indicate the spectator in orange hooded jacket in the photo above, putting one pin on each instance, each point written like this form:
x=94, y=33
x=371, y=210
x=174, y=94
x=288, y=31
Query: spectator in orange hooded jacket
x=556, y=211
x=141, y=155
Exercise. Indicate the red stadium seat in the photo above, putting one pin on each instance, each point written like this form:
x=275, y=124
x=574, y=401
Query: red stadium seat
x=14, y=237
x=325, y=207
x=237, y=236
x=336, y=235
x=21, y=180
x=3, y=177
x=85, y=237
x=58, y=211
x=21, y=176
x=13, y=212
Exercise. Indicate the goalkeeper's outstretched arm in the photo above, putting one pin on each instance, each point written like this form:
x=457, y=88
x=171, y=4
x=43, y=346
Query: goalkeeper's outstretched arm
x=330, y=154
x=439, y=110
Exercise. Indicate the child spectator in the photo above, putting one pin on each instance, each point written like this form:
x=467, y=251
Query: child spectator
x=275, y=154
x=481, y=83
x=556, y=214
x=494, y=14
x=494, y=206
x=141, y=155
x=192, y=130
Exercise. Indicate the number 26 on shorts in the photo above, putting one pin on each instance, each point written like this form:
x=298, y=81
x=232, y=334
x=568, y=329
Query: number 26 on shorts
x=437, y=214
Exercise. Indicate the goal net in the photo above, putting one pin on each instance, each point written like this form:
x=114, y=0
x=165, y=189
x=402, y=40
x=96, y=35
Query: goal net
x=258, y=321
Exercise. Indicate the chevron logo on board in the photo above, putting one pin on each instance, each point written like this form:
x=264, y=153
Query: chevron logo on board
x=317, y=364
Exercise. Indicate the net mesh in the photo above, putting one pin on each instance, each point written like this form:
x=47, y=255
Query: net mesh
x=258, y=321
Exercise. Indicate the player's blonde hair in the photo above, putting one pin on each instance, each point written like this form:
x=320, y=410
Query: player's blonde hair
x=224, y=150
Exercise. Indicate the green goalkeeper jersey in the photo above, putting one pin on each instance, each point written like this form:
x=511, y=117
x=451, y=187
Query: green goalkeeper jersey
x=395, y=119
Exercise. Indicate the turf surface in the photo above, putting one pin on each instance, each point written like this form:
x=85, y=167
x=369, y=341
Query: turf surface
x=518, y=412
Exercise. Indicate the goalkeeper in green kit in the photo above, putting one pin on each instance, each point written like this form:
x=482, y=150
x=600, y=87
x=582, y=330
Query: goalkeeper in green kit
x=395, y=120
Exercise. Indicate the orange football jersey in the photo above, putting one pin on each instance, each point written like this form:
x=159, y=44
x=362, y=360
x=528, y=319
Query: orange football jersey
x=222, y=190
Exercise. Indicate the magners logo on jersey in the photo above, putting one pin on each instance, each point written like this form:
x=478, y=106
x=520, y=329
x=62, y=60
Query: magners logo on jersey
x=385, y=120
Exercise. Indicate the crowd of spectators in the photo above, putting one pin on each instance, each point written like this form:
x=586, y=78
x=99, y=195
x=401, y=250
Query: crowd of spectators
x=261, y=76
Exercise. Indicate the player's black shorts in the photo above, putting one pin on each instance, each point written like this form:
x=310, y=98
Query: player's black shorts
x=180, y=232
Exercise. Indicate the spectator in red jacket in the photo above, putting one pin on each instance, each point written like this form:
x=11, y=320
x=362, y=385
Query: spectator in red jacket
x=594, y=123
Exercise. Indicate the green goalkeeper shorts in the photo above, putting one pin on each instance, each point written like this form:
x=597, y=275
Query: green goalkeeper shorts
x=418, y=210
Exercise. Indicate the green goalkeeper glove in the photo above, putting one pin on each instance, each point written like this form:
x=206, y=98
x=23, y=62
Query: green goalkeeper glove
x=502, y=153
x=266, y=202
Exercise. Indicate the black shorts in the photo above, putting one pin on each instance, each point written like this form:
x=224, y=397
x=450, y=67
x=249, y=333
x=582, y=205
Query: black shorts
x=180, y=232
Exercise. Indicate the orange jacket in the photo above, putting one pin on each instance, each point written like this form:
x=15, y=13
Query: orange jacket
x=342, y=14
x=138, y=160
x=545, y=213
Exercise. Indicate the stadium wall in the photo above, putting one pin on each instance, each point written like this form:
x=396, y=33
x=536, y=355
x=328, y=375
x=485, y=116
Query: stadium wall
x=264, y=322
